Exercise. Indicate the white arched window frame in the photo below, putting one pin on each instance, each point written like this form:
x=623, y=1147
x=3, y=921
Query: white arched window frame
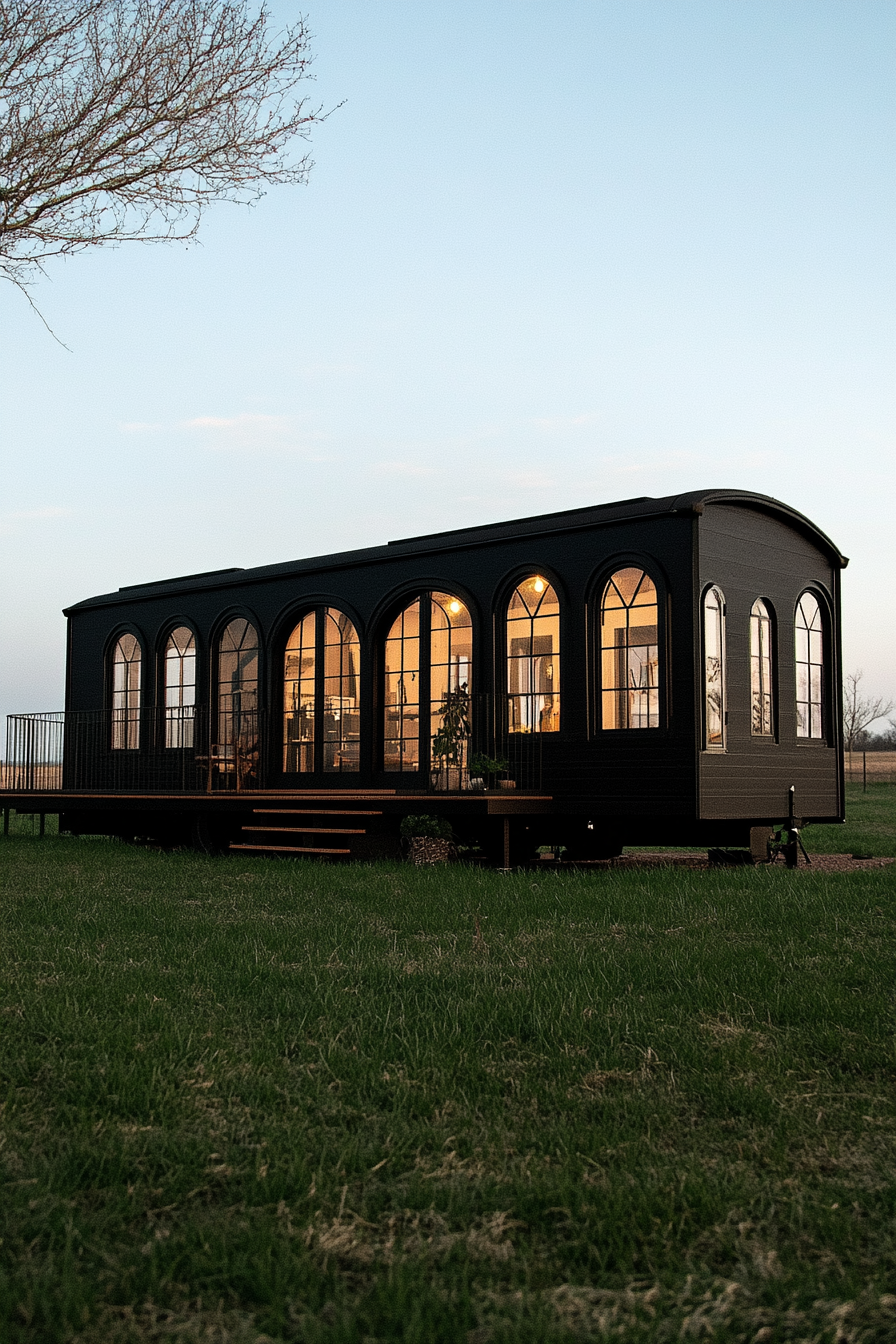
x=809, y=660
x=180, y=687
x=762, y=704
x=127, y=663
x=715, y=715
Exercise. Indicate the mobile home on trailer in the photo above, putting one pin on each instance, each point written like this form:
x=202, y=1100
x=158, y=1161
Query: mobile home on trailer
x=653, y=671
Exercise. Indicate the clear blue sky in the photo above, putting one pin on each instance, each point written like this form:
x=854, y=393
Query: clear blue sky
x=551, y=254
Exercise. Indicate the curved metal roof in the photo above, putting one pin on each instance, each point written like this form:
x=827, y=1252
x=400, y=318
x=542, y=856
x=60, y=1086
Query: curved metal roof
x=593, y=515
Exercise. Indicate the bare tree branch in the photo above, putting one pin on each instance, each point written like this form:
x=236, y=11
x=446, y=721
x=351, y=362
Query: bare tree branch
x=123, y=119
x=860, y=711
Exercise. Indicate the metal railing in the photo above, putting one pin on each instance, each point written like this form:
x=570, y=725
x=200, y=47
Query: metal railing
x=147, y=750
x=194, y=749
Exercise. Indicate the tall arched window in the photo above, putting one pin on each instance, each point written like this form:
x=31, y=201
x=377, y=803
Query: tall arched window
x=809, y=668
x=237, y=746
x=533, y=658
x=450, y=672
x=180, y=687
x=428, y=679
x=126, y=667
x=321, y=695
x=714, y=669
x=401, y=734
x=630, y=654
x=762, y=709
x=299, y=686
x=342, y=698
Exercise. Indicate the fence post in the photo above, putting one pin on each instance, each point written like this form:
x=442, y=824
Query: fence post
x=864, y=772
x=6, y=821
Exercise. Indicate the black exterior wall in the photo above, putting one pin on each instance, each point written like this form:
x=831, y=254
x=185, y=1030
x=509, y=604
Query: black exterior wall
x=654, y=785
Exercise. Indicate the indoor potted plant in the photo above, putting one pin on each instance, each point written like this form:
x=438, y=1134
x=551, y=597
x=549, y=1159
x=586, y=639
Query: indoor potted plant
x=449, y=743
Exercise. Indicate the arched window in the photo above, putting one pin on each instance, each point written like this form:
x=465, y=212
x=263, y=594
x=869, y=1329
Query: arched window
x=299, y=686
x=321, y=704
x=342, y=701
x=450, y=671
x=762, y=709
x=401, y=735
x=809, y=668
x=533, y=658
x=630, y=654
x=180, y=687
x=714, y=669
x=126, y=664
x=237, y=745
x=429, y=692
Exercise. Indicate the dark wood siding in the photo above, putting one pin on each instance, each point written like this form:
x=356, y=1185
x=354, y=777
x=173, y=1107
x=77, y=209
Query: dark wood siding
x=749, y=555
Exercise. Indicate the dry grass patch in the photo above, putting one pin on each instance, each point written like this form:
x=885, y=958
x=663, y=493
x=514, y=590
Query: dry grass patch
x=352, y=1240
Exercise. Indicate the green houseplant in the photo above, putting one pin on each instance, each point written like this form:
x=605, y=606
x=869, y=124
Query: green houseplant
x=450, y=740
x=486, y=768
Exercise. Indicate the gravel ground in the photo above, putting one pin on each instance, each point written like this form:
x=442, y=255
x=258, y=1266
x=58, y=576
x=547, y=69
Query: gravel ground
x=820, y=863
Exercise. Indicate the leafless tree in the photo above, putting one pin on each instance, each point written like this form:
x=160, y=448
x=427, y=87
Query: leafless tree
x=123, y=119
x=860, y=711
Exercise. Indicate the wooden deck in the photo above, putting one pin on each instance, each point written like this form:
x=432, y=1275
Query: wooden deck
x=389, y=802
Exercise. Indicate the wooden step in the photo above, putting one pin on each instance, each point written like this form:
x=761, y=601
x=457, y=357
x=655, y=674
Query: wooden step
x=291, y=849
x=309, y=830
x=312, y=812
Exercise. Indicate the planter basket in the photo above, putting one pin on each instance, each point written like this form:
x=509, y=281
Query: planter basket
x=424, y=850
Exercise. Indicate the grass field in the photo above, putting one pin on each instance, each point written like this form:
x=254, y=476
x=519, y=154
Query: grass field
x=256, y=1101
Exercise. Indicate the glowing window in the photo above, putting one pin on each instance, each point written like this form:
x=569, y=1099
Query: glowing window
x=321, y=698
x=428, y=676
x=809, y=642
x=180, y=687
x=630, y=696
x=126, y=666
x=714, y=669
x=299, y=697
x=450, y=679
x=761, y=703
x=533, y=658
x=401, y=735
x=341, y=691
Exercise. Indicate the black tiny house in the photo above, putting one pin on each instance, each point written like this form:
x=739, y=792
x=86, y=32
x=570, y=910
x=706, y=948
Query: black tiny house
x=653, y=671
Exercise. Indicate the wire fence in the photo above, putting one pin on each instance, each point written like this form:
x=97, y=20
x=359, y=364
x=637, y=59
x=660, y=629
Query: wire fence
x=869, y=767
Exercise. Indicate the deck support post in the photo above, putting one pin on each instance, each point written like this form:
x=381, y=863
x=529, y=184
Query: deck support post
x=791, y=849
x=42, y=825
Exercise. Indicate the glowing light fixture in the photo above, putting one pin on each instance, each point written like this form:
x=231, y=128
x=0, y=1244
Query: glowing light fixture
x=454, y=606
x=538, y=585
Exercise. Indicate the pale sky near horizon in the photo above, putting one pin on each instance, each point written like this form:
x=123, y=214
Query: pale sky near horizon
x=551, y=254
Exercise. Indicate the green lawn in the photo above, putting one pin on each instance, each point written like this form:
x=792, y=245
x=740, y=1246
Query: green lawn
x=870, y=825
x=246, y=1100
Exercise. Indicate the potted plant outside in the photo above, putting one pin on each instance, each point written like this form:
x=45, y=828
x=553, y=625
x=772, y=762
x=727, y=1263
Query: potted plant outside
x=430, y=839
x=485, y=769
